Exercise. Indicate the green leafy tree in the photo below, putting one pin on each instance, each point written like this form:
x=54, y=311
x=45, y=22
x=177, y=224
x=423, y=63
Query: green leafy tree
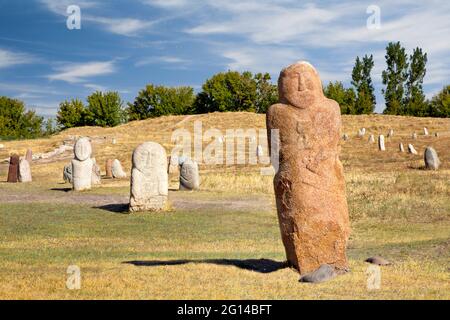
x=394, y=78
x=71, y=114
x=362, y=81
x=16, y=122
x=266, y=92
x=105, y=109
x=227, y=91
x=49, y=127
x=155, y=101
x=415, y=101
x=440, y=104
x=345, y=97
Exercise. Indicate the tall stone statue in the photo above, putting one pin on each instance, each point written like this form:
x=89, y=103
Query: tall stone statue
x=149, y=179
x=82, y=165
x=309, y=185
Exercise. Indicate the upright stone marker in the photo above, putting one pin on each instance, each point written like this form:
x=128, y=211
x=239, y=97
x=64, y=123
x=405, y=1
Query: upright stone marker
x=401, y=148
x=96, y=177
x=149, y=179
x=361, y=132
x=431, y=159
x=173, y=166
x=67, y=173
x=390, y=133
x=29, y=156
x=117, y=170
x=189, y=176
x=108, y=168
x=371, y=138
x=425, y=131
x=82, y=165
x=381, y=145
x=411, y=149
x=24, y=171
x=309, y=185
x=13, y=171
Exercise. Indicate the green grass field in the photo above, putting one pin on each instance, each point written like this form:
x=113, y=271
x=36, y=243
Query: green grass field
x=223, y=241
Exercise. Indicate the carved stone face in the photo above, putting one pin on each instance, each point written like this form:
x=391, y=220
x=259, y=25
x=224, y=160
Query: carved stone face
x=83, y=149
x=148, y=156
x=299, y=85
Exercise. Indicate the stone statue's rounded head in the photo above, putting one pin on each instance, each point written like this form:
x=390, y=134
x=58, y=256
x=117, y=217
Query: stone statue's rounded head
x=299, y=85
x=82, y=149
x=149, y=155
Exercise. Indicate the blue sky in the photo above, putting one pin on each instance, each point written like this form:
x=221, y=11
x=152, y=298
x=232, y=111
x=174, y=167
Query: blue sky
x=124, y=45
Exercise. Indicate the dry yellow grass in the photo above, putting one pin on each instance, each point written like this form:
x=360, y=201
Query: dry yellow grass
x=398, y=210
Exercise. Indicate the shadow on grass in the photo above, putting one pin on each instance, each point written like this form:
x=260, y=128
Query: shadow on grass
x=115, y=207
x=257, y=265
x=61, y=189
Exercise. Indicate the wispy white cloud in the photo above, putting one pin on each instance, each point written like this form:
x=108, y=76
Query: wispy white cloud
x=121, y=26
x=169, y=4
x=11, y=58
x=162, y=59
x=80, y=72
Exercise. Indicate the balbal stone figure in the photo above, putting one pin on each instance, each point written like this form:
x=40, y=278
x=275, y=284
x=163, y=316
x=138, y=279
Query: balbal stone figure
x=13, y=171
x=29, y=156
x=309, y=185
x=96, y=177
x=411, y=149
x=67, y=173
x=82, y=165
x=390, y=133
x=24, y=171
x=381, y=145
x=108, y=168
x=149, y=179
x=431, y=159
x=117, y=170
x=189, y=176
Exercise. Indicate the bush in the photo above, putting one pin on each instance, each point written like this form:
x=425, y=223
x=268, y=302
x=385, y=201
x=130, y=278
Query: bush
x=440, y=104
x=71, y=114
x=16, y=123
x=229, y=91
x=104, y=109
x=345, y=97
x=155, y=101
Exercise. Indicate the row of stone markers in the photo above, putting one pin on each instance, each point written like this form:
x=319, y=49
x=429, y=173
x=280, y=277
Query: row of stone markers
x=20, y=168
x=430, y=156
x=149, y=174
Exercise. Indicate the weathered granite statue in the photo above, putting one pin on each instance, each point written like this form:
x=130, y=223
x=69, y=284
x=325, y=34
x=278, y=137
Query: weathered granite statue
x=309, y=185
x=431, y=159
x=117, y=170
x=189, y=175
x=149, y=180
x=82, y=165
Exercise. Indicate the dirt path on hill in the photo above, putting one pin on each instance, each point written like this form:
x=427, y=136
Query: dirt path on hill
x=119, y=203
